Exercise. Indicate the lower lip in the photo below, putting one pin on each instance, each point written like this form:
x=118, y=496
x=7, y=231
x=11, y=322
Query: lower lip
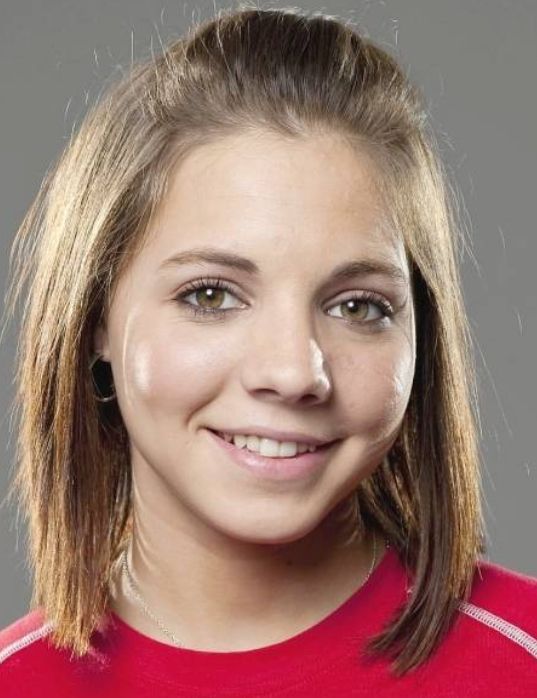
x=294, y=468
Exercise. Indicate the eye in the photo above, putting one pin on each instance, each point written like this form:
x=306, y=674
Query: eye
x=357, y=308
x=209, y=295
x=210, y=291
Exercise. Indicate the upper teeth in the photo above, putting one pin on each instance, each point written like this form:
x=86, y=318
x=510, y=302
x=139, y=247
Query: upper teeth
x=267, y=447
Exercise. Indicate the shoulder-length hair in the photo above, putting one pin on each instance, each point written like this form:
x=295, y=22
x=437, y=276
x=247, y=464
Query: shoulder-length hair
x=277, y=71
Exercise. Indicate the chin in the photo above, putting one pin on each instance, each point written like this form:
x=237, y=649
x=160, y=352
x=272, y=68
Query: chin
x=274, y=528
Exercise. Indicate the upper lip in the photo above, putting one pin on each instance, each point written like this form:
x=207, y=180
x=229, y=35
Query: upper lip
x=277, y=435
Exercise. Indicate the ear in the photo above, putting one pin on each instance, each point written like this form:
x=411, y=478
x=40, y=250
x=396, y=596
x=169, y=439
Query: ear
x=100, y=342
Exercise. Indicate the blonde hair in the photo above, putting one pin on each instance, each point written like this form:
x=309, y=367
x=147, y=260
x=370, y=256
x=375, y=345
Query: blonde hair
x=248, y=69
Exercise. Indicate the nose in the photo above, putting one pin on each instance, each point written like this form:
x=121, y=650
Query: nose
x=284, y=361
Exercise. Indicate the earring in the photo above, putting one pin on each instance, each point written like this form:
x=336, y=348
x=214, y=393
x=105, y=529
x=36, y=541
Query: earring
x=99, y=397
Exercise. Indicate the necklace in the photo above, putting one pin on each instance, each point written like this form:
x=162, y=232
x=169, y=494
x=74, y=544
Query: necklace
x=143, y=605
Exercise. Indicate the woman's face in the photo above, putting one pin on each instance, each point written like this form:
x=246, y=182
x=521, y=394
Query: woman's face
x=290, y=349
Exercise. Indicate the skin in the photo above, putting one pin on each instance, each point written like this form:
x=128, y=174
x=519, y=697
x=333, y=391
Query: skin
x=227, y=561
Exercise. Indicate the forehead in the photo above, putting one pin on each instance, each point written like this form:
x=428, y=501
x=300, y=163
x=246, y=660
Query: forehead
x=256, y=190
x=322, y=171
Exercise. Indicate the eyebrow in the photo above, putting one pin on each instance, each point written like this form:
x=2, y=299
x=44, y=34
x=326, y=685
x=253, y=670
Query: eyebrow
x=346, y=270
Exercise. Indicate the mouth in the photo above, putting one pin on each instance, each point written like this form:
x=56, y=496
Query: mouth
x=304, y=448
x=286, y=468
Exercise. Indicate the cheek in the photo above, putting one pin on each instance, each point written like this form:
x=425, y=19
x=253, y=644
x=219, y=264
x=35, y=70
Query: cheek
x=374, y=384
x=165, y=372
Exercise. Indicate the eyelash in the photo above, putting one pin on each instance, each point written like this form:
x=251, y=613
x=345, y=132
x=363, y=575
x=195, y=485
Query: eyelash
x=215, y=283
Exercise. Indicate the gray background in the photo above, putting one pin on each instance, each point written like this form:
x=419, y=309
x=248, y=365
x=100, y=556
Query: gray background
x=475, y=61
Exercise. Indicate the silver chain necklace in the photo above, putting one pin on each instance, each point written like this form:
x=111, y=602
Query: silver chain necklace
x=138, y=597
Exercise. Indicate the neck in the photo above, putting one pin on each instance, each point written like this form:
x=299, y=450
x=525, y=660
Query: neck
x=214, y=600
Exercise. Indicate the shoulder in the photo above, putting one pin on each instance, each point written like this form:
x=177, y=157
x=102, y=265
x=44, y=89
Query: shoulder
x=25, y=632
x=503, y=604
x=24, y=657
x=32, y=665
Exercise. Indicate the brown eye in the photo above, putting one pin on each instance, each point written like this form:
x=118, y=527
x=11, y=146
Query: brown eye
x=214, y=297
x=209, y=296
x=356, y=309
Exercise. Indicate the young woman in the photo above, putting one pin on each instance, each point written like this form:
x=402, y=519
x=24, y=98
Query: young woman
x=247, y=451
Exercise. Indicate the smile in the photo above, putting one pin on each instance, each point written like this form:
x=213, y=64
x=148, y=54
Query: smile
x=285, y=468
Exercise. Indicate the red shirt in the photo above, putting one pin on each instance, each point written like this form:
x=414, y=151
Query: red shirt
x=491, y=650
